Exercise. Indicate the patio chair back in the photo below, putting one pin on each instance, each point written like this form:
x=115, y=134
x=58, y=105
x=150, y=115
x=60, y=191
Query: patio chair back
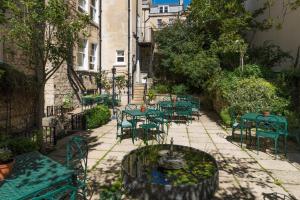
x=167, y=98
x=267, y=124
x=77, y=154
x=184, y=97
x=131, y=107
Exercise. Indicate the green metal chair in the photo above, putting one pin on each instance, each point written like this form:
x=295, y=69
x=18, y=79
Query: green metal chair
x=267, y=127
x=131, y=107
x=122, y=124
x=195, y=107
x=162, y=120
x=149, y=125
x=77, y=155
x=65, y=192
x=184, y=110
x=167, y=98
x=184, y=97
x=236, y=124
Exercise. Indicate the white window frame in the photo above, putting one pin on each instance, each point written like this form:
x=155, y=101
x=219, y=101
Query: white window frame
x=94, y=17
x=83, y=7
x=83, y=53
x=161, y=9
x=93, y=57
x=159, y=23
x=166, y=8
x=120, y=56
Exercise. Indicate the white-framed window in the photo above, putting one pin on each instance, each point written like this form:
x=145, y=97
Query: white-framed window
x=82, y=5
x=82, y=54
x=166, y=9
x=159, y=23
x=93, y=10
x=120, y=56
x=163, y=9
x=93, y=57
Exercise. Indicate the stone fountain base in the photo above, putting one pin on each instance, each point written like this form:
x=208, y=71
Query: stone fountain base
x=141, y=187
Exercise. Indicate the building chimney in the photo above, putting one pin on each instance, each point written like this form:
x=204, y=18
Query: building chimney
x=181, y=2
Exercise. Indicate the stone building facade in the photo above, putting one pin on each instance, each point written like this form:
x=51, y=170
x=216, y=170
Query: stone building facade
x=78, y=77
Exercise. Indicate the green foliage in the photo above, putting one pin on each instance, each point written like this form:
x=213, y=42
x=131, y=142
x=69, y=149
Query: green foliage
x=5, y=156
x=120, y=83
x=268, y=55
x=250, y=71
x=105, y=82
x=161, y=88
x=22, y=145
x=225, y=116
x=44, y=32
x=97, y=116
x=68, y=101
x=12, y=80
x=112, y=192
x=246, y=94
x=151, y=95
x=180, y=89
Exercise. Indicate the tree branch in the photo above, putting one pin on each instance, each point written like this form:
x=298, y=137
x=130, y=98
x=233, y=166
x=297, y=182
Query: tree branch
x=53, y=70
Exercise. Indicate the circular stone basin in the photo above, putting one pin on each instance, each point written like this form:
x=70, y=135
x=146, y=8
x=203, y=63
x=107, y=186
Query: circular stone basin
x=144, y=178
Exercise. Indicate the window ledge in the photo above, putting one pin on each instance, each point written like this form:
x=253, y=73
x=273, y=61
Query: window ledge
x=123, y=64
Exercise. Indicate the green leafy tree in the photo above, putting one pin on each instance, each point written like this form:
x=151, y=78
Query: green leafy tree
x=46, y=33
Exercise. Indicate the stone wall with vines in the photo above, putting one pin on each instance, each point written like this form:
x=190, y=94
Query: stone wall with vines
x=17, y=102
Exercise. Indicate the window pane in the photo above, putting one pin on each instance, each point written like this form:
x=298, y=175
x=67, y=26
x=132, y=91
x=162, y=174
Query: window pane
x=82, y=3
x=120, y=53
x=92, y=66
x=159, y=23
x=161, y=9
x=93, y=3
x=166, y=9
x=79, y=60
x=120, y=59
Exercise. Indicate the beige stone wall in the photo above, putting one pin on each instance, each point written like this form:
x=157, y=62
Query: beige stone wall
x=288, y=36
x=114, y=32
x=63, y=83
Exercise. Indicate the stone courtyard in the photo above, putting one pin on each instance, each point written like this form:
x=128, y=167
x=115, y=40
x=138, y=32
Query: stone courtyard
x=244, y=174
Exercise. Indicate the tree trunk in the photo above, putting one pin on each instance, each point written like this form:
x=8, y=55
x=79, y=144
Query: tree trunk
x=40, y=105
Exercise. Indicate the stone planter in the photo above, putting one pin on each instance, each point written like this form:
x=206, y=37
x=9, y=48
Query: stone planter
x=141, y=187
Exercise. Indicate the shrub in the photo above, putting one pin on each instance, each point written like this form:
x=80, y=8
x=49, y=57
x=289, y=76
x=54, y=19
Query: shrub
x=23, y=145
x=249, y=70
x=97, y=116
x=225, y=116
x=179, y=89
x=161, y=88
x=250, y=94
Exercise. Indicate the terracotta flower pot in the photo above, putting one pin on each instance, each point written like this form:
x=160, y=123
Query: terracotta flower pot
x=6, y=169
x=266, y=113
x=143, y=108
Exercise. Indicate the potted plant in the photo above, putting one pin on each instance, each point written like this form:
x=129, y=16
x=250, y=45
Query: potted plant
x=6, y=163
x=151, y=96
x=143, y=108
x=266, y=110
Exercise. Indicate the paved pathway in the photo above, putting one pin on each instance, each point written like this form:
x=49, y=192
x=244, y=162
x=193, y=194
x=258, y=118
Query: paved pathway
x=243, y=173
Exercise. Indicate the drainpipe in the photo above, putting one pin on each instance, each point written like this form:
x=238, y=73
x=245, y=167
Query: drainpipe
x=137, y=53
x=100, y=45
x=128, y=57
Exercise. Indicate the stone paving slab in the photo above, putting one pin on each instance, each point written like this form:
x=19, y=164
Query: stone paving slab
x=243, y=173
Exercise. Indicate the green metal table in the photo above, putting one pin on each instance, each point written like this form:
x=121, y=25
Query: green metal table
x=251, y=117
x=32, y=174
x=135, y=114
